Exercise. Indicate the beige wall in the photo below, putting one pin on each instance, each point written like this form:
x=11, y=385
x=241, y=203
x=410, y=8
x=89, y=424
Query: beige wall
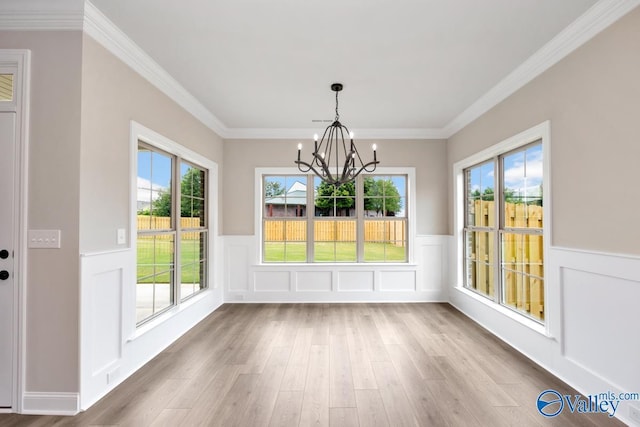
x=241, y=157
x=112, y=96
x=592, y=98
x=54, y=172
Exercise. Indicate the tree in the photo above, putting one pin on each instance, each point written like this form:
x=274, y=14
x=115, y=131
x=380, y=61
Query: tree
x=329, y=195
x=272, y=189
x=191, y=203
x=381, y=196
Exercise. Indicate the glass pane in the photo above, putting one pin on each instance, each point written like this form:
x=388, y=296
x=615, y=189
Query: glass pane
x=385, y=195
x=337, y=251
x=523, y=273
x=285, y=196
x=192, y=196
x=480, y=259
x=274, y=252
x=334, y=201
x=295, y=251
x=385, y=241
x=154, y=190
x=335, y=241
x=155, y=271
x=193, y=256
x=273, y=231
x=285, y=241
x=480, y=195
x=6, y=87
x=522, y=195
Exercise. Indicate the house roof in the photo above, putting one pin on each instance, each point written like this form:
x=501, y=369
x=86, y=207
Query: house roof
x=295, y=195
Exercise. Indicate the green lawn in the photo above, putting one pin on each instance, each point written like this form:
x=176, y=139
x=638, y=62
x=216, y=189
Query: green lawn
x=330, y=252
x=155, y=266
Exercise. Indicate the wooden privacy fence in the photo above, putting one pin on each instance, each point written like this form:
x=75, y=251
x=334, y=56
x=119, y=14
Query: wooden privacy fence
x=147, y=222
x=336, y=231
x=522, y=266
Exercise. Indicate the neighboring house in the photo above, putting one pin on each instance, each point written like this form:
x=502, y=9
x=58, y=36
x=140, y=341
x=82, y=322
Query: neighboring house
x=291, y=203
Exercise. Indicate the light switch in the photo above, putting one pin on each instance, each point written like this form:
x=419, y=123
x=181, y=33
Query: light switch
x=122, y=236
x=46, y=239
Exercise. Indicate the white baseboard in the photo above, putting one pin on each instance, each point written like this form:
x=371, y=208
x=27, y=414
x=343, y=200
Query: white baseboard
x=37, y=403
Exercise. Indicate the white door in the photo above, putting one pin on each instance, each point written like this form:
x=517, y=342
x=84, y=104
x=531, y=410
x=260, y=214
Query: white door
x=7, y=286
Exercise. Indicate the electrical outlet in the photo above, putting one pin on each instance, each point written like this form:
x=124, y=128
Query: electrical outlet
x=634, y=413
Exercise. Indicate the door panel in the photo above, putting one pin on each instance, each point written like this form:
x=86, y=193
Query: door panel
x=7, y=285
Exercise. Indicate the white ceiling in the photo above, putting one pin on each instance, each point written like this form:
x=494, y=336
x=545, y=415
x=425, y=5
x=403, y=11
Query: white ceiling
x=264, y=68
x=259, y=64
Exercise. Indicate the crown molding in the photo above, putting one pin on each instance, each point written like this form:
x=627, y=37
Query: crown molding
x=593, y=21
x=101, y=29
x=307, y=133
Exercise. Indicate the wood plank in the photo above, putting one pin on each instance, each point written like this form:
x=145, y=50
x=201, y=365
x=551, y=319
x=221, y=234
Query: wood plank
x=371, y=410
x=315, y=402
x=343, y=417
x=287, y=409
x=260, y=404
x=244, y=365
x=295, y=375
x=363, y=377
x=396, y=402
x=341, y=392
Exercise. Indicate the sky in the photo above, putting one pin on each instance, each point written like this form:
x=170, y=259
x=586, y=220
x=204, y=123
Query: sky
x=522, y=173
x=154, y=173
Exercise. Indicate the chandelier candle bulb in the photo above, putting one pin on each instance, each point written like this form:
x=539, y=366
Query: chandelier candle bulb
x=375, y=147
x=299, y=148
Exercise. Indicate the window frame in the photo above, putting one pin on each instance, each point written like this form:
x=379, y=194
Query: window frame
x=260, y=173
x=139, y=134
x=537, y=134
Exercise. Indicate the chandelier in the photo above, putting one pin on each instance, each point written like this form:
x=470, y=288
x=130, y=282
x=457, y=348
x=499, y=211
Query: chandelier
x=333, y=161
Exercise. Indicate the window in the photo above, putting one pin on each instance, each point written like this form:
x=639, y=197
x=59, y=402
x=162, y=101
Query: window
x=172, y=231
x=503, y=229
x=361, y=221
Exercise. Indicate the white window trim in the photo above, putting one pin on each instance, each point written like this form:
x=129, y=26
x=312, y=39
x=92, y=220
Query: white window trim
x=541, y=132
x=139, y=132
x=410, y=172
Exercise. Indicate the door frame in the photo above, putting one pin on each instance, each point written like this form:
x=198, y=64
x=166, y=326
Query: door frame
x=18, y=62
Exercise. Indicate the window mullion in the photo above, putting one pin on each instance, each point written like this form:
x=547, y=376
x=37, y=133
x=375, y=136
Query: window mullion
x=177, y=217
x=360, y=218
x=311, y=217
x=497, y=205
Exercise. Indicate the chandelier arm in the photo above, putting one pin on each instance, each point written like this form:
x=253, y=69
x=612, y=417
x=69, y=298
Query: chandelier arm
x=310, y=167
x=374, y=163
x=326, y=172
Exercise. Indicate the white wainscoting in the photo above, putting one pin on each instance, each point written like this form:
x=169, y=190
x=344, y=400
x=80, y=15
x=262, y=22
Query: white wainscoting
x=111, y=348
x=592, y=340
x=248, y=280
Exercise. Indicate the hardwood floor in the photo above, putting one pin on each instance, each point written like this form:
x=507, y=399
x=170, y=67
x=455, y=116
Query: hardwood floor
x=330, y=364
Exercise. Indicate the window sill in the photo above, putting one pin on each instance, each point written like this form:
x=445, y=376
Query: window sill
x=333, y=265
x=523, y=320
x=168, y=315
